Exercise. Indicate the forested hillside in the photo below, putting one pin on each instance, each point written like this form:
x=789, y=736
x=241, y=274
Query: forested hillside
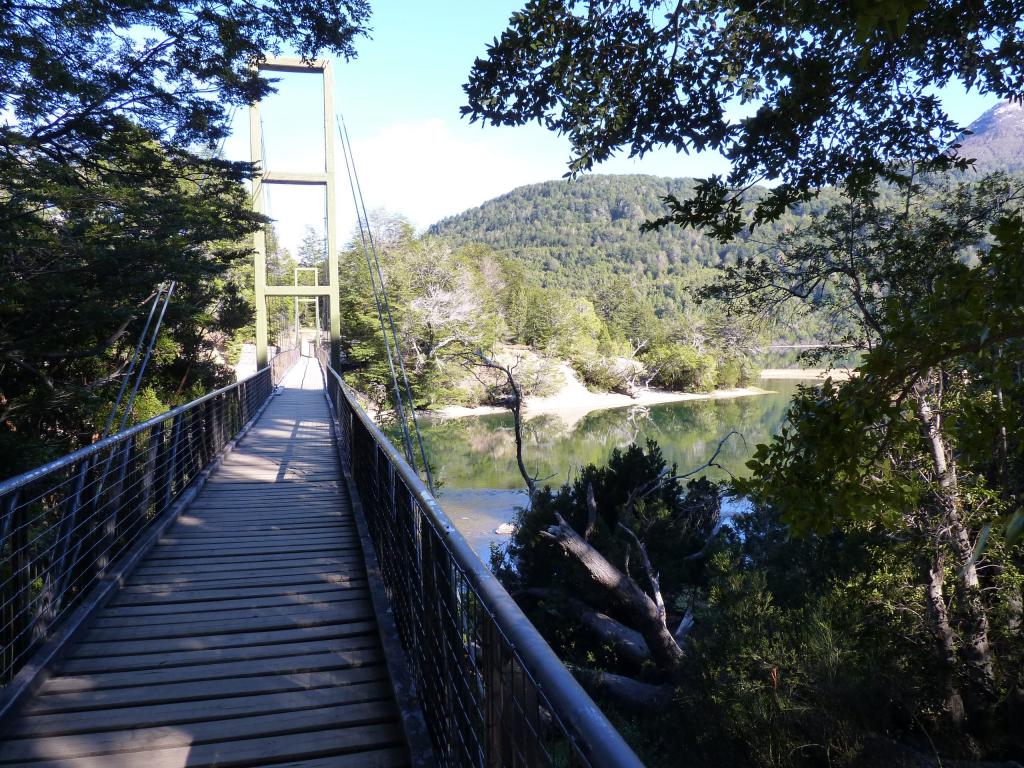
x=995, y=139
x=577, y=234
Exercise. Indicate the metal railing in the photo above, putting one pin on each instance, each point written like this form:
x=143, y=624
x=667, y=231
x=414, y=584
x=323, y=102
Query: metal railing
x=493, y=692
x=63, y=524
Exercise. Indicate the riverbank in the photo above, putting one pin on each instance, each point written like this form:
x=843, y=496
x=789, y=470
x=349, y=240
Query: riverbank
x=574, y=400
x=811, y=374
x=569, y=405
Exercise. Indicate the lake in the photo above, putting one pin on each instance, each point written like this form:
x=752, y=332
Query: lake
x=474, y=458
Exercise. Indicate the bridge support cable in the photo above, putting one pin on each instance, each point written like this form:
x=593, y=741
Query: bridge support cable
x=132, y=362
x=145, y=361
x=396, y=395
x=372, y=253
x=68, y=545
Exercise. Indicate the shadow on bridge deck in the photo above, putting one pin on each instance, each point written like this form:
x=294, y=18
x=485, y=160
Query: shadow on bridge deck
x=247, y=636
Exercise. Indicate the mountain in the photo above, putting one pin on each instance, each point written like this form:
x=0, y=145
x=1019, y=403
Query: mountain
x=575, y=234
x=996, y=139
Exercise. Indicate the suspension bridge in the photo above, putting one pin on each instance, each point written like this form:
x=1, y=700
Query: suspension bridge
x=260, y=578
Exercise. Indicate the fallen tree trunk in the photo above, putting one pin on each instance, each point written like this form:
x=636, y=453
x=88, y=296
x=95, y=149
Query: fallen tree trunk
x=627, y=643
x=628, y=693
x=642, y=611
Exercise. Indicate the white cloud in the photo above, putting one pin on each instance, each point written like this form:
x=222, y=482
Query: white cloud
x=427, y=170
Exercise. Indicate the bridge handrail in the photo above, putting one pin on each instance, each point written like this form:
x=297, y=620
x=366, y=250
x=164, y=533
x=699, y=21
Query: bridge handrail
x=500, y=648
x=68, y=459
x=64, y=523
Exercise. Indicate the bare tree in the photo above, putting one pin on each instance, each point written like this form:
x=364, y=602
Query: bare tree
x=514, y=402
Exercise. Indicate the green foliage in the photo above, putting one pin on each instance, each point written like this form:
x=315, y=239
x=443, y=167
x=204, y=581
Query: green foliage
x=938, y=304
x=735, y=370
x=583, y=236
x=834, y=93
x=108, y=187
x=681, y=368
x=805, y=650
x=922, y=444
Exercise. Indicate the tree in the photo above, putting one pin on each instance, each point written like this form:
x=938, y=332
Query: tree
x=919, y=441
x=615, y=552
x=834, y=91
x=109, y=185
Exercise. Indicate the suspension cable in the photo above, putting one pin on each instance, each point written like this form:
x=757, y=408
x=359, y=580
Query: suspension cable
x=397, y=396
x=387, y=305
x=134, y=361
x=145, y=360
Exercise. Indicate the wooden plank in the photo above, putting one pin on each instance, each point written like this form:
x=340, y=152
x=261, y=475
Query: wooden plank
x=217, y=552
x=89, y=649
x=197, y=615
x=84, y=666
x=249, y=478
x=323, y=578
x=315, y=491
x=312, y=598
x=378, y=758
x=237, y=539
x=227, y=598
x=202, y=690
x=275, y=665
x=246, y=752
x=254, y=570
x=198, y=711
x=326, y=503
x=260, y=621
x=215, y=524
x=172, y=548
x=343, y=562
x=166, y=737
x=170, y=596
x=234, y=533
x=158, y=584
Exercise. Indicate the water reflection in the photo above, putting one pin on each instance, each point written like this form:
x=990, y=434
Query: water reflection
x=475, y=465
x=479, y=452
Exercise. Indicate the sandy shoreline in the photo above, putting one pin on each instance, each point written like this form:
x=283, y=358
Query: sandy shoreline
x=819, y=374
x=575, y=401
x=574, y=405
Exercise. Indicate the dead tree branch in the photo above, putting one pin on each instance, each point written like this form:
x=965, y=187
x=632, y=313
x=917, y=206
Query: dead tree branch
x=622, y=591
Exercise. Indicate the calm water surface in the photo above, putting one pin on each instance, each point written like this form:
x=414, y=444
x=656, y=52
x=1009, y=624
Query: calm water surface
x=474, y=458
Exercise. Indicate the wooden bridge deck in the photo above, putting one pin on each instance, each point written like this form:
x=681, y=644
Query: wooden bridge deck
x=246, y=637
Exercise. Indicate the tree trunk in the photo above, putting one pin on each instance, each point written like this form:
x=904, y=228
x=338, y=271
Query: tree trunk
x=977, y=650
x=953, y=703
x=627, y=643
x=630, y=694
x=623, y=592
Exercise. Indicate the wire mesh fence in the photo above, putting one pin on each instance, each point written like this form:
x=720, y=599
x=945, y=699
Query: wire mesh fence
x=493, y=692
x=63, y=524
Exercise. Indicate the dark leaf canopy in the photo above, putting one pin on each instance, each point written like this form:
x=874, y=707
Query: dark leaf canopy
x=108, y=188
x=68, y=67
x=834, y=91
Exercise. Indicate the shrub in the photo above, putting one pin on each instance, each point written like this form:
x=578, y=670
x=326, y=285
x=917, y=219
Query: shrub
x=681, y=368
x=735, y=370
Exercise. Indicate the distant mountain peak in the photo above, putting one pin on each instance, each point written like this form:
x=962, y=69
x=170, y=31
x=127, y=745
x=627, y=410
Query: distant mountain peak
x=996, y=139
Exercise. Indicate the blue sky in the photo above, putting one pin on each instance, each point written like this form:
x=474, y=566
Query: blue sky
x=416, y=155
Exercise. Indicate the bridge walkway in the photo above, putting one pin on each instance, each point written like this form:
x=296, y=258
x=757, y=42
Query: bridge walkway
x=246, y=637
